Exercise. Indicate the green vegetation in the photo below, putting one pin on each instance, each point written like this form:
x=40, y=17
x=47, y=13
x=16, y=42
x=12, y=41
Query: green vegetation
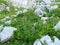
x=27, y=32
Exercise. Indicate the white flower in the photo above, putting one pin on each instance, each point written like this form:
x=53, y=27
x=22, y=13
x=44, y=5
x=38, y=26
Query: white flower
x=8, y=22
x=44, y=19
x=25, y=10
x=8, y=8
x=57, y=26
x=48, y=40
x=6, y=33
x=2, y=7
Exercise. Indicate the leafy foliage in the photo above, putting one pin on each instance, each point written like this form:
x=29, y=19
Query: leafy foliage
x=30, y=26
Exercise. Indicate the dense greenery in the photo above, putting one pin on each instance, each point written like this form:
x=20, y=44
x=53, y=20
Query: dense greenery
x=27, y=32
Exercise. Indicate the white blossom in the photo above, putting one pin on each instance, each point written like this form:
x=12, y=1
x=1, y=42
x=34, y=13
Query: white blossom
x=6, y=33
